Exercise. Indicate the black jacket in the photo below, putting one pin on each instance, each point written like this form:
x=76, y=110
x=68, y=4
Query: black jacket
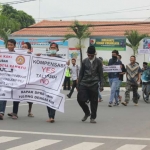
x=91, y=74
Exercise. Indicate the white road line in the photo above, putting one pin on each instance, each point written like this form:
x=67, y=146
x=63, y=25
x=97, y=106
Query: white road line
x=19, y=105
x=4, y=139
x=35, y=145
x=76, y=135
x=132, y=147
x=84, y=145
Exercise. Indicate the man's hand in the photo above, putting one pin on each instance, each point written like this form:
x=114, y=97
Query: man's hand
x=101, y=89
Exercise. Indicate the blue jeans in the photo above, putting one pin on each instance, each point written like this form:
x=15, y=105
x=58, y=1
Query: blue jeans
x=2, y=107
x=113, y=82
x=147, y=90
x=118, y=87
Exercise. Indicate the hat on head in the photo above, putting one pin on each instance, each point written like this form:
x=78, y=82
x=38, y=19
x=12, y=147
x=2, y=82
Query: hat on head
x=91, y=50
x=101, y=58
x=145, y=63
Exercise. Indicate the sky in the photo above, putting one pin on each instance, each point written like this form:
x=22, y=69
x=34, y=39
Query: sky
x=101, y=10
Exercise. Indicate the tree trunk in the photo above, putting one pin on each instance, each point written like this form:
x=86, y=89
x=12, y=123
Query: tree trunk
x=80, y=53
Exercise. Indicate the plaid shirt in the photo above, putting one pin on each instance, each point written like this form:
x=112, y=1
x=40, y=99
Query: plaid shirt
x=132, y=73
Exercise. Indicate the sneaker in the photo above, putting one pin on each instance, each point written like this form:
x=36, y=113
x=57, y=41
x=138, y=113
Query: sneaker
x=68, y=96
x=136, y=104
x=110, y=105
x=1, y=116
x=92, y=121
x=85, y=117
x=124, y=103
x=116, y=104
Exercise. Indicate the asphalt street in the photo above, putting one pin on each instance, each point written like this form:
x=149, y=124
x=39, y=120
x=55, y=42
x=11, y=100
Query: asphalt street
x=117, y=128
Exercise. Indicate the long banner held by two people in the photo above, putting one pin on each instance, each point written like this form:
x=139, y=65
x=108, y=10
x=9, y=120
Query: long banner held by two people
x=29, y=78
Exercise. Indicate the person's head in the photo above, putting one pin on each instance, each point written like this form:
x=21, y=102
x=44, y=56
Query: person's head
x=91, y=52
x=53, y=48
x=119, y=57
x=145, y=64
x=27, y=45
x=68, y=62
x=132, y=59
x=101, y=58
x=73, y=61
x=115, y=53
x=11, y=44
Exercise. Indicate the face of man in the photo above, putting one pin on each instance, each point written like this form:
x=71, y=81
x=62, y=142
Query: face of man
x=144, y=66
x=24, y=46
x=53, y=49
x=91, y=56
x=132, y=60
x=10, y=46
x=73, y=62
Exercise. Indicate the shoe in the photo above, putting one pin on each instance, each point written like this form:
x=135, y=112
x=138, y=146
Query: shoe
x=110, y=105
x=85, y=117
x=116, y=104
x=68, y=96
x=10, y=114
x=1, y=116
x=87, y=101
x=92, y=121
x=124, y=103
x=52, y=120
x=136, y=104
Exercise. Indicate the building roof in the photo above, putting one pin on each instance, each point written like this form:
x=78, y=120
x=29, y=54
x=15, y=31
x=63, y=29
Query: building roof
x=100, y=28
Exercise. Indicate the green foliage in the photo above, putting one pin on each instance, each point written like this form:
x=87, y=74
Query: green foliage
x=6, y=26
x=20, y=17
x=81, y=31
x=134, y=37
x=105, y=62
x=149, y=64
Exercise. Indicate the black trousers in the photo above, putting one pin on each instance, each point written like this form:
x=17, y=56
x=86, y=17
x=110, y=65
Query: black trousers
x=74, y=85
x=51, y=112
x=15, y=107
x=88, y=93
x=67, y=80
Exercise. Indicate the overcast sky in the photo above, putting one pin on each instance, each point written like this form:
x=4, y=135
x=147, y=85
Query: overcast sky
x=103, y=9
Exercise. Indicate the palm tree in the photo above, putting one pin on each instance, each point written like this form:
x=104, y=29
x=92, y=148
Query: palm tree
x=134, y=37
x=6, y=27
x=81, y=31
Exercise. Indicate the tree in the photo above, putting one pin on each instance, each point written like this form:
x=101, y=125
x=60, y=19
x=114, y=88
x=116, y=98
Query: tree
x=6, y=27
x=21, y=17
x=81, y=31
x=134, y=37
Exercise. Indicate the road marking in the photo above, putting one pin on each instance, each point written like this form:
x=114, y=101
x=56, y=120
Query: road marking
x=76, y=135
x=84, y=145
x=132, y=147
x=19, y=105
x=35, y=145
x=4, y=139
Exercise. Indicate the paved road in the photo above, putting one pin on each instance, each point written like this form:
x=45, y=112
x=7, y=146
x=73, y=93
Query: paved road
x=117, y=128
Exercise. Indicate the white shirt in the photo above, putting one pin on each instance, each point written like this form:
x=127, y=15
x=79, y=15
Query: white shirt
x=74, y=71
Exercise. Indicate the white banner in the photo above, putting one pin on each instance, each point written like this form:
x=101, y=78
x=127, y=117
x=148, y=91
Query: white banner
x=112, y=68
x=26, y=77
x=143, y=51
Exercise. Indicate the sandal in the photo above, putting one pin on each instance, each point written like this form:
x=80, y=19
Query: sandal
x=52, y=120
x=30, y=115
x=10, y=114
x=14, y=117
x=1, y=116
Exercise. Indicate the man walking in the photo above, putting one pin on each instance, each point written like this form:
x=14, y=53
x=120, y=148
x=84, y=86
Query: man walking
x=91, y=73
x=74, y=75
x=67, y=77
x=114, y=79
x=133, y=74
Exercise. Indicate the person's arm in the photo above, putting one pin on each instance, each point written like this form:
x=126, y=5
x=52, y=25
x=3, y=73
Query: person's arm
x=123, y=69
x=100, y=68
x=81, y=73
x=139, y=75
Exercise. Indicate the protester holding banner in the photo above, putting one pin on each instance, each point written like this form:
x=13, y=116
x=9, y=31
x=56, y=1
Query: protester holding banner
x=133, y=74
x=74, y=75
x=27, y=46
x=114, y=78
x=11, y=44
x=91, y=73
x=52, y=53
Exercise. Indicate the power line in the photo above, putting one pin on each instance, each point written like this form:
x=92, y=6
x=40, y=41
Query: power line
x=17, y=2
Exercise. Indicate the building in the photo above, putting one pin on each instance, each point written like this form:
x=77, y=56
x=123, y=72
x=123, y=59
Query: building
x=106, y=36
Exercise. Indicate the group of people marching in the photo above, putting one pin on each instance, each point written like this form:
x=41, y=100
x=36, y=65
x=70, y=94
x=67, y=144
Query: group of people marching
x=89, y=82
